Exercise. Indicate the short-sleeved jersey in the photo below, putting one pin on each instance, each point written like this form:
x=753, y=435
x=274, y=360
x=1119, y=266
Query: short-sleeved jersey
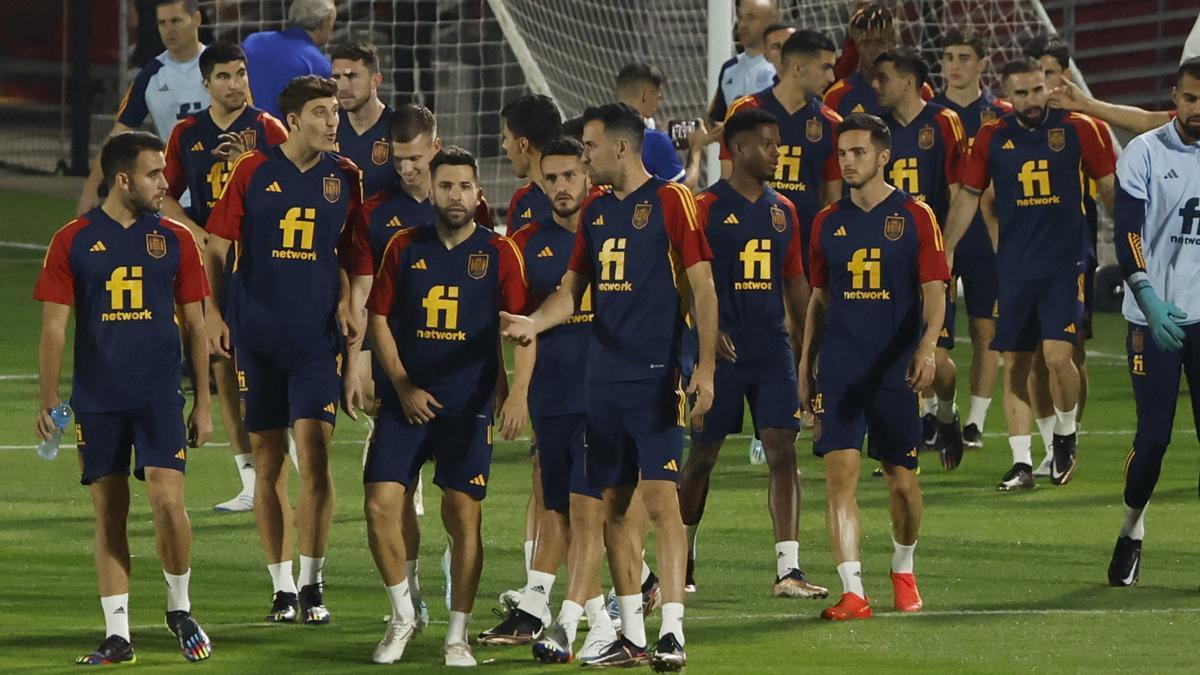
x=927, y=156
x=273, y=58
x=636, y=251
x=1039, y=189
x=982, y=110
x=124, y=284
x=755, y=247
x=855, y=95
x=371, y=151
x=1090, y=210
x=167, y=91
x=740, y=76
x=528, y=204
x=390, y=210
x=873, y=264
x=443, y=309
x=558, y=376
x=191, y=165
x=290, y=228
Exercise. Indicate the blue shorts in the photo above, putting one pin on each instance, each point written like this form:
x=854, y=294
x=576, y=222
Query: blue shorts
x=561, y=456
x=773, y=398
x=1033, y=311
x=845, y=414
x=282, y=388
x=980, y=283
x=106, y=440
x=946, y=335
x=634, y=428
x=459, y=444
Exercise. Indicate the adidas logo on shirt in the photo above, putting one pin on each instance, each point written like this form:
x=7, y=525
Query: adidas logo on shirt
x=274, y=187
x=419, y=265
x=671, y=466
x=98, y=247
x=857, y=109
x=731, y=219
x=395, y=222
x=1008, y=145
x=598, y=221
x=330, y=408
x=545, y=253
x=478, y=481
x=840, y=232
x=198, y=147
x=527, y=213
x=1171, y=174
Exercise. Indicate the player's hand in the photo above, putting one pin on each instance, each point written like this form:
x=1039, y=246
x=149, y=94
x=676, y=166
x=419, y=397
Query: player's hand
x=418, y=404
x=200, y=425
x=43, y=424
x=1068, y=96
x=1163, y=317
x=700, y=391
x=714, y=134
x=921, y=368
x=725, y=348
x=230, y=147
x=513, y=415
x=218, y=335
x=352, y=394
x=348, y=325
x=698, y=138
x=517, y=328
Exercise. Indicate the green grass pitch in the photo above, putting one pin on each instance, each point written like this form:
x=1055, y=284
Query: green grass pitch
x=1011, y=582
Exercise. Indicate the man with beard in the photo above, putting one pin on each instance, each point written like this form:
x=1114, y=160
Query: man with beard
x=434, y=324
x=1033, y=158
x=363, y=134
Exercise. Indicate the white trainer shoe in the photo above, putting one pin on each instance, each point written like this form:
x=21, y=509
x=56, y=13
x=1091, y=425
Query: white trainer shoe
x=757, y=454
x=458, y=655
x=395, y=639
x=240, y=504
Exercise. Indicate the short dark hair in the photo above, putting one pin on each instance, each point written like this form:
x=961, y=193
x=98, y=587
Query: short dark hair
x=906, y=62
x=120, y=152
x=618, y=118
x=219, y=52
x=880, y=134
x=806, y=43
x=955, y=37
x=189, y=6
x=574, y=128
x=1019, y=66
x=563, y=146
x=409, y=121
x=873, y=21
x=774, y=26
x=533, y=117
x=360, y=50
x=1049, y=45
x=640, y=73
x=303, y=89
x=1190, y=67
x=453, y=155
x=747, y=119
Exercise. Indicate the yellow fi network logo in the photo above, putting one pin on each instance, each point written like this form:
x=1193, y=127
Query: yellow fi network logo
x=789, y=172
x=441, y=315
x=612, y=266
x=905, y=176
x=122, y=281
x=297, y=228
x=1034, y=178
x=866, y=272
x=756, y=266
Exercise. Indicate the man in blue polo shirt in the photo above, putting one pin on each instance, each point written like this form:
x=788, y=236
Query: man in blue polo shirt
x=275, y=57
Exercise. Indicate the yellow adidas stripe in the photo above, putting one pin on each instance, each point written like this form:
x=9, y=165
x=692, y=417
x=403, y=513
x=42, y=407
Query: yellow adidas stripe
x=1135, y=244
x=520, y=259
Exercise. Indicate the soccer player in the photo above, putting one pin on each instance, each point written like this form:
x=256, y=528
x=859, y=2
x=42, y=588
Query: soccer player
x=635, y=241
x=757, y=267
x=124, y=267
x=1157, y=212
x=1131, y=118
x=1033, y=158
x=363, y=135
x=964, y=60
x=877, y=261
x=749, y=71
x=276, y=57
x=434, y=326
x=640, y=85
x=196, y=163
x=873, y=31
x=928, y=145
x=167, y=89
x=291, y=209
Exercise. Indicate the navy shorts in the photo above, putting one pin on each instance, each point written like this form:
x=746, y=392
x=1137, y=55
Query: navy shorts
x=282, y=388
x=845, y=414
x=634, y=428
x=106, y=440
x=773, y=398
x=946, y=335
x=1033, y=311
x=561, y=456
x=459, y=444
x=980, y=283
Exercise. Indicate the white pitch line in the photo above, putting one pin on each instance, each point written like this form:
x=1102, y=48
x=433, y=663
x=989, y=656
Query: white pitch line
x=23, y=245
x=6, y=378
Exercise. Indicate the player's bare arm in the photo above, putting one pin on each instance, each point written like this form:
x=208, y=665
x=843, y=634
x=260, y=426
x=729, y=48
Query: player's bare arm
x=1106, y=190
x=704, y=297
x=419, y=405
x=814, y=330
x=796, y=293
x=923, y=364
x=217, y=331
x=515, y=411
x=1128, y=117
x=987, y=208
x=50, y=353
x=199, y=424
x=962, y=211
x=554, y=311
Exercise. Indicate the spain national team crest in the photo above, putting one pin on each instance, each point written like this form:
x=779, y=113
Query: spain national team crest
x=986, y=115
x=477, y=265
x=1137, y=341
x=925, y=138
x=333, y=189
x=641, y=216
x=156, y=245
x=379, y=152
x=813, y=130
x=778, y=221
x=893, y=227
x=1057, y=139
x=249, y=138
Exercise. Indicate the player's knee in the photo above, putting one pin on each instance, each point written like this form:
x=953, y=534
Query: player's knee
x=780, y=457
x=700, y=460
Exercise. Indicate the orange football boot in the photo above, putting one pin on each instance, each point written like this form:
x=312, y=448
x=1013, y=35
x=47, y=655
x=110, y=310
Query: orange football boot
x=851, y=606
x=905, y=593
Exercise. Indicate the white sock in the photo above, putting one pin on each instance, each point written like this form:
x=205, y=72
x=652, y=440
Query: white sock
x=633, y=625
x=645, y=569
x=692, y=531
x=851, y=574
x=568, y=619
x=245, y=465
x=945, y=410
x=402, y=606
x=177, y=591
x=537, y=593
x=902, y=557
x=310, y=570
x=787, y=557
x=596, y=610
x=411, y=571
x=281, y=577
x=1064, y=423
x=116, y=614
x=1045, y=427
x=1020, y=446
x=1134, y=526
x=672, y=620
x=292, y=451
x=977, y=415
x=528, y=554
x=929, y=405
x=457, y=632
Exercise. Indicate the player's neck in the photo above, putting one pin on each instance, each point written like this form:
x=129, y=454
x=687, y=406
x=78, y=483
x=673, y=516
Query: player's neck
x=746, y=185
x=222, y=116
x=964, y=96
x=451, y=238
x=569, y=222
x=304, y=156
x=870, y=195
x=754, y=51
x=632, y=178
x=420, y=192
x=367, y=115
x=791, y=95
x=185, y=54
x=1184, y=136
x=534, y=175
x=908, y=109
x=119, y=212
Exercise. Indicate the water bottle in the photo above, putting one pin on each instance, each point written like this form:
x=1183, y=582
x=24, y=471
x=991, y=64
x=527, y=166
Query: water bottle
x=61, y=415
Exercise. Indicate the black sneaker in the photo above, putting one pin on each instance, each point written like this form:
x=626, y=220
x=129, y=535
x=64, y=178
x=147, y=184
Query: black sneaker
x=972, y=437
x=668, y=655
x=689, y=584
x=312, y=605
x=929, y=430
x=283, y=608
x=520, y=628
x=620, y=653
x=877, y=472
x=950, y=443
x=115, y=650
x=193, y=643
x=1126, y=564
x=1063, y=466
x=1019, y=477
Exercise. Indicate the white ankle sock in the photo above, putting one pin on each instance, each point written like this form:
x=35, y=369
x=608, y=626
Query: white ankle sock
x=537, y=593
x=672, y=620
x=1021, y=452
x=177, y=591
x=528, y=554
x=787, y=557
x=645, y=569
x=902, y=557
x=929, y=405
x=1045, y=427
x=851, y=574
x=596, y=610
x=977, y=415
x=1064, y=424
x=457, y=631
x=402, y=606
x=412, y=570
x=116, y=614
x=245, y=465
x=310, y=570
x=633, y=625
x=281, y=577
x=1134, y=525
x=568, y=619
